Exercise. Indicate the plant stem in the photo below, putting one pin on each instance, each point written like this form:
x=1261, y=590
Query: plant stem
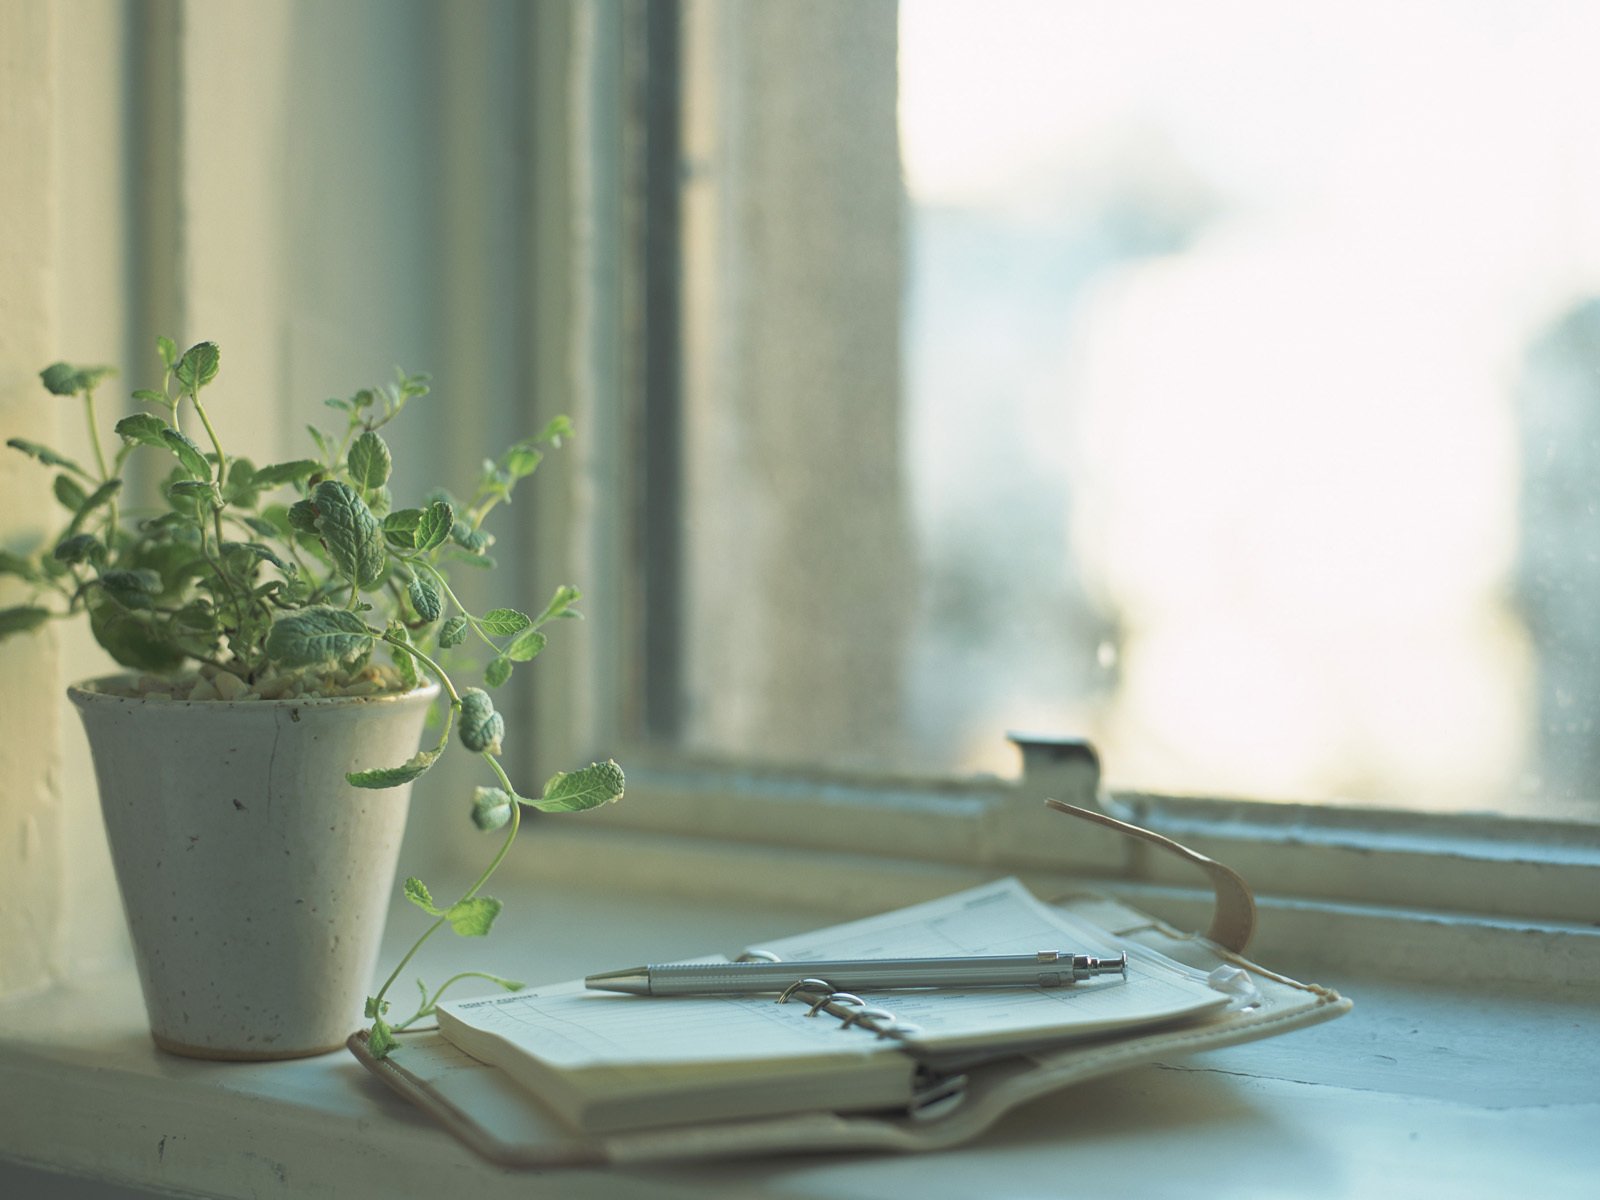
x=505, y=846
x=222, y=459
x=438, y=671
x=472, y=621
x=100, y=461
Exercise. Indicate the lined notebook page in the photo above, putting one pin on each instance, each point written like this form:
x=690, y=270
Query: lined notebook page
x=568, y=1027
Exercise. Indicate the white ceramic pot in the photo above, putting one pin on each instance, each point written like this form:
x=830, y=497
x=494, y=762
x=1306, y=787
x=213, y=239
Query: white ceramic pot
x=254, y=878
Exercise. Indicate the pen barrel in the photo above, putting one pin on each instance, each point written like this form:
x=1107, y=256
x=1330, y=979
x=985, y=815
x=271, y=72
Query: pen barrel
x=1032, y=970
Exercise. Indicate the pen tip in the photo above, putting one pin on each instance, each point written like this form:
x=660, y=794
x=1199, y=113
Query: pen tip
x=635, y=981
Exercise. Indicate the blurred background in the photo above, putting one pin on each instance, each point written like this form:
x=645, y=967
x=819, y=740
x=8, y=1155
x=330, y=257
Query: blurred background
x=1219, y=382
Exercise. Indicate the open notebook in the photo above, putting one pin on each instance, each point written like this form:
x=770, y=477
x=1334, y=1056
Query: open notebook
x=605, y=1062
x=987, y=1054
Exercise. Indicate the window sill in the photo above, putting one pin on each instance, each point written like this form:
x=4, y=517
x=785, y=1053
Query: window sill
x=1423, y=1089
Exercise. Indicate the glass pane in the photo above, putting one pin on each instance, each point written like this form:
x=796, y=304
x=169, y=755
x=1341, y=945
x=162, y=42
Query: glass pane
x=1252, y=407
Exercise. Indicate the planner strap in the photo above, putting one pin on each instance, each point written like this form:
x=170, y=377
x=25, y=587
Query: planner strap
x=1233, y=919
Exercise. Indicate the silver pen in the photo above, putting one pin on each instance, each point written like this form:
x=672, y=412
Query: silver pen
x=1047, y=968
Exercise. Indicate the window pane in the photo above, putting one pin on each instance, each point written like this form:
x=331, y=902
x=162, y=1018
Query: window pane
x=1252, y=413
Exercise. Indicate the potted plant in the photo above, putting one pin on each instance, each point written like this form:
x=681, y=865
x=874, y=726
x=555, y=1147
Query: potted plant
x=282, y=628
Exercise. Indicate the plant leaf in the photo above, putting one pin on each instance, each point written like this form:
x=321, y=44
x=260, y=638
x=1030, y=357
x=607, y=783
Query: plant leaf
x=491, y=807
x=128, y=638
x=15, y=564
x=70, y=493
x=417, y=892
x=80, y=547
x=188, y=453
x=481, y=727
x=352, y=534
x=453, y=632
x=503, y=622
x=472, y=918
x=319, y=634
x=596, y=784
x=101, y=495
x=433, y=530
x=198, y=366
x=46, y=455
x=369, y=461
x=168, y=350
x=526, y=645
x=425, y=599
x=277, y=474
x=141, y=429
x=498, y=672
x=22, y=619
x=565, y=597
x=380, y=1038
x=388, y=777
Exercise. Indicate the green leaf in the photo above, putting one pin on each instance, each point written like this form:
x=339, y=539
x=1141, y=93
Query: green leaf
x=100, y=496
x=380, y=1039
x=503, y=622
x=435, y=525
x=151, y=396
x=403, y=662
x=352, y=534
x=388, y=777
x=554, y=433
x=22, y=619
x=320, y=439
x=80, y=547
x=596, y=784
x=526, y=645
x=198, y=366
x=481, y=727
x=168, y=349
x=15, y=564
x=58, y=379
x=141, y=429
x=241, y=488
x=62, y=379
x=70, y=493
x=277, y=474
x=425, y=599
x=134, y=589
x=491, y=807
x=316, y=635
x=474, y=541
x=453, y=632
x=193, y=489
x=400, y=528
x=369, y=461
x=302, y=515
x=472, y=918
x=263, y=552
x=498, y=672
x=130, y=638
x=565, y=597
x=188, y=453
x=46, y=455
x=521, y=460
x=417, y=892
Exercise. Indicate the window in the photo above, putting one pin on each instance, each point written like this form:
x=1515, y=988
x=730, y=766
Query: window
x=1218, y=387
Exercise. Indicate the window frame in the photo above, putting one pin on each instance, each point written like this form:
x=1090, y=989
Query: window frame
x=614, y=528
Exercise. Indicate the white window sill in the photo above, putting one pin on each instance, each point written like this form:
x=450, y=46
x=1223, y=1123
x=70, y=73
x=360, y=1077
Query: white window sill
x=1481, y=1090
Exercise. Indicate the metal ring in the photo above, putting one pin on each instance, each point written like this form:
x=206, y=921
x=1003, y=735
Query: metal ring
x=866, y=1013
x=809, y=985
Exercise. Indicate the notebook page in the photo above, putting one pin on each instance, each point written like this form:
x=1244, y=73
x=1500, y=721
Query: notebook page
x=569, y=1027
x=1005, y=918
